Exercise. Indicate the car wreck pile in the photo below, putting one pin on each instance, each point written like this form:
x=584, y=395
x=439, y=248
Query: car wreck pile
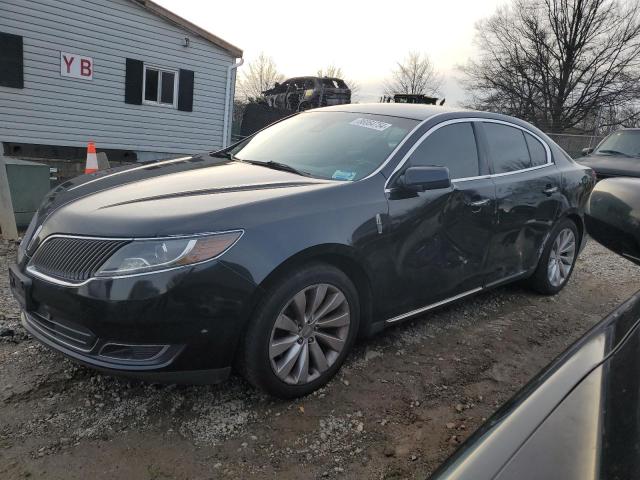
x=302, y=93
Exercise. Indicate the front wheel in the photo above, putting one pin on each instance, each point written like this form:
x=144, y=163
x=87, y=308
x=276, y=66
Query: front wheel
x=558, y=259
x=302, y=332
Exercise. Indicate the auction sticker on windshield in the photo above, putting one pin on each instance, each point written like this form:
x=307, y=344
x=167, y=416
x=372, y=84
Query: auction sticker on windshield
x=373, y=124
x=343, y=175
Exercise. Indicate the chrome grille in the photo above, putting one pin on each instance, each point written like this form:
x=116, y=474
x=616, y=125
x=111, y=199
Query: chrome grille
x=73, y=259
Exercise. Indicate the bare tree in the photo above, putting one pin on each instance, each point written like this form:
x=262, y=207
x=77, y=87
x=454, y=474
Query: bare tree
x=414, y=75
x=613, y=117
x=336, y=72
x=260, y=75
x=330, y=71
x=556, y=63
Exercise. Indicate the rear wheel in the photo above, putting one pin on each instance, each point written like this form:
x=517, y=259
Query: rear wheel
x=302, y=332
x=558, y=259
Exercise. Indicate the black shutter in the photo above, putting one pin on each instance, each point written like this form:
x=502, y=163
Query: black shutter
x=133, y=82
x=11, y=62
x=185, y=91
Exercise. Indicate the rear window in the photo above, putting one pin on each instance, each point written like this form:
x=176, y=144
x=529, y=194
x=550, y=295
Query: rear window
x=333, y=83
x=536, y=151
x=508, y=148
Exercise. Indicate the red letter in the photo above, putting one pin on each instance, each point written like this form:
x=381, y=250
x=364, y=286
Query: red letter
x=68, y=62
x=85, y=67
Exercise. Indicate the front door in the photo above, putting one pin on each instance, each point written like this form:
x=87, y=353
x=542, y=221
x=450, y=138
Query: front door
x=439, y=238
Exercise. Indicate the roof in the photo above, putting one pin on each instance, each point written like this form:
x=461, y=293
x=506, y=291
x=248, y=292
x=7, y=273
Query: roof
x=187, y=25
x=407, y=110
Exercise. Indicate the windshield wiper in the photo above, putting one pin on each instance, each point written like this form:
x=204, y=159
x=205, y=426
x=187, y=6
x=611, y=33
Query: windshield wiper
x=278, y=166
x=614, y=152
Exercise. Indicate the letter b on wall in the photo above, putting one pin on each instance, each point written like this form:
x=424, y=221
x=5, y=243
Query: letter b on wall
x=76, y=66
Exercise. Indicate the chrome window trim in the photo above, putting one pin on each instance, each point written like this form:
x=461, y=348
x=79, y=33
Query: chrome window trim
x=402, y=142
x=471, y=120
x=526, y=130
x=36, y=273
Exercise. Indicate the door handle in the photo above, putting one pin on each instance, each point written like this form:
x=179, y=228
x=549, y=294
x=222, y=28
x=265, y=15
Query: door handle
x=550, y=190
x=479, y=203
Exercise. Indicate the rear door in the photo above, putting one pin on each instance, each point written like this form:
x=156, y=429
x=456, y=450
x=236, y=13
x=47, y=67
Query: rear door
x=528, y=198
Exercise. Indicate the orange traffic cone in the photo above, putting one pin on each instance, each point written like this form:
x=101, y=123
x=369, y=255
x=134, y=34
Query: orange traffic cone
x=92, y=159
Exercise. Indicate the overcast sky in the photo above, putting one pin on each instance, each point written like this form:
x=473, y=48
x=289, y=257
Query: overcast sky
x=364, y=38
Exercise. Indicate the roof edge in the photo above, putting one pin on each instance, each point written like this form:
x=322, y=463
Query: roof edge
x=174, y=18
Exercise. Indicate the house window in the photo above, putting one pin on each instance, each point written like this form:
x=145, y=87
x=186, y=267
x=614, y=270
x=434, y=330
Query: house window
x=160, y=86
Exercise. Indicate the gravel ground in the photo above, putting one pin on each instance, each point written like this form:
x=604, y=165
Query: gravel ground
x=401, y=404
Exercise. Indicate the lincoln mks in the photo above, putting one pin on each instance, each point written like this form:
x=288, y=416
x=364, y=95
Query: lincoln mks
x=272, y=256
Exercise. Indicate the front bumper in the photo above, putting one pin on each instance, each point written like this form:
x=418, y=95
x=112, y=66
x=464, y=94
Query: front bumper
x=151, y=370
x=180, y=326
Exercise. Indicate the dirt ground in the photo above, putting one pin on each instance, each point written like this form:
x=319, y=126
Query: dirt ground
x=399, y=407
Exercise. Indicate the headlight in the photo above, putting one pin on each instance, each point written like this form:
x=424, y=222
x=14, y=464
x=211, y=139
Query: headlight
x=149, y=255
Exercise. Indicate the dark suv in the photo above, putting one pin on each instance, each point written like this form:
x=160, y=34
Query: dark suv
x=303, y=93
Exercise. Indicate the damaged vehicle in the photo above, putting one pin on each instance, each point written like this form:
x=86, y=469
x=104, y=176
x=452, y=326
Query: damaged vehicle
x=303, y=93
x=578, y=418
x=275, y=254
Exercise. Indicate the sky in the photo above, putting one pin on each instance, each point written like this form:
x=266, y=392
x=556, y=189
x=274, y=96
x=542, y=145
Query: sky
x=364, y=38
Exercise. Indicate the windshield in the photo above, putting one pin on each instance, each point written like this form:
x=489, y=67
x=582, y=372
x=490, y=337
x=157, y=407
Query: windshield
x=624, y=142
x=330, y=145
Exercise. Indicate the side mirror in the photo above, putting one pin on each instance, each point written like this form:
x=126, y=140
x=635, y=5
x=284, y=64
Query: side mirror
x=419, y=179
x=612, y=216
x=587, y=151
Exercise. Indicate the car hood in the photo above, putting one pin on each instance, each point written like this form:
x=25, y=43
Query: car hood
x=186, y=195
x=614, y=165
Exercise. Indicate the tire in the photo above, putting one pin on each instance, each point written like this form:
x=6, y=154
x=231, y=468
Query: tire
x=542, y=279
x=271, y=341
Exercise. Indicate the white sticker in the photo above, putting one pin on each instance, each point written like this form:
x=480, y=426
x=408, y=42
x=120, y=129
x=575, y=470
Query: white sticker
x=373, y=124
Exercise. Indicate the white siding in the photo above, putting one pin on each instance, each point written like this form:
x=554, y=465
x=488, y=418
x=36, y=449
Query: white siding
x=55, y=110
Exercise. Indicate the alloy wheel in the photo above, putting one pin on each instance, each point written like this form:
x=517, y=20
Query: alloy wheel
x=561, y=257
x=309, y=334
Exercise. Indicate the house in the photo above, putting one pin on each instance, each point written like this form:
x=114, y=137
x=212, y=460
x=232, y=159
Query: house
x=137, y=79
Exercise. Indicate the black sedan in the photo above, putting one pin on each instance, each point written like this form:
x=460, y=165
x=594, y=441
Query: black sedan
x=274, y=255
x=618, y=155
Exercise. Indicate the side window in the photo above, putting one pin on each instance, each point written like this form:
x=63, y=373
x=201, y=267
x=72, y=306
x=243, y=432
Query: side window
x=160, y=86
x=536, y=151
x=452, y=146
x=508, y=148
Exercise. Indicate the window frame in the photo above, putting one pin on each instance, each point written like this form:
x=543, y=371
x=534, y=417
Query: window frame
x=491, y=160
x=476, y=142
x=525, y=131
x=477, y=124
x=160, y=70
x=535, y=139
